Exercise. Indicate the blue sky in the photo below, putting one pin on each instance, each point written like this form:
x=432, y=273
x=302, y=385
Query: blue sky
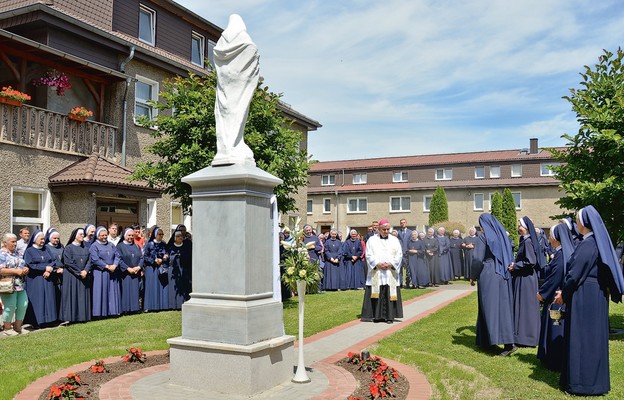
x=407, y=77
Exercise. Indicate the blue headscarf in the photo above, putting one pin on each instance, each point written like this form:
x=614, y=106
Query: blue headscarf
x=562, y=234
x=590, y=218
x=571, y=224
x=539, y=254
x=155, y=230
x=48, y=234
x=498, y=242
x=97, y=232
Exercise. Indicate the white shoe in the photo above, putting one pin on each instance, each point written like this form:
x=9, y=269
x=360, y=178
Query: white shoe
x=9, y=332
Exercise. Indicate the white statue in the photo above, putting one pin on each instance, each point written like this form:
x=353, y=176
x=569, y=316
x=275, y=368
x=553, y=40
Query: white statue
x=236, y=61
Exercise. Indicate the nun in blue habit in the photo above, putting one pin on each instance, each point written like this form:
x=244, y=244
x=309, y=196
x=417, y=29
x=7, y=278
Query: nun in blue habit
x=129, y=258
x=106, y=289
x=55, y=247
x=524, y=271
x=76, y=292
x=180, y=271
x=416, y=260
x=89, y=235
x=593, y=273
x=352, y=253
x=550, y=349
x=155, y=256
x=492, y=256
x=334, y=279
x=445, y=264
x=40, y=287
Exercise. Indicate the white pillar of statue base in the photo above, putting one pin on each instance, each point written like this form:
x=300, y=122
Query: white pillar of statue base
x=233, y=338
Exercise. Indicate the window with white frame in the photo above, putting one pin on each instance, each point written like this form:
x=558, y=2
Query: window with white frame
x=427, y=202
x=211, y=46
x=545, y=169
x=444, y=174
x=516, y=170
x=479, y=172
x=400, y=203
x=198, y=44
x=478, y=201
x=359, y=179
x=309, y=206
x=151, y=212
x=517, y=199
x=328, y=180
x=357, y=205
x=399, y=176
x=147, y=25
x=326, y=205
x=177, y=216
x=29, y=207
x=145, y=90
x=495, y=171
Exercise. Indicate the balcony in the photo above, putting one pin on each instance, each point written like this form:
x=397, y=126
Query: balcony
x=47, y=130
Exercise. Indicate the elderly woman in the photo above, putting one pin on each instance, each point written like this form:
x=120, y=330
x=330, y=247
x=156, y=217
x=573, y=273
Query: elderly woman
x=456, y=253
x=550, y=347
x=524, y=271
x=492, y=256
x=15, y=304
x=129, y=258
x=352, y=254
x=76, y=293
x=155, y=256
x=334, y=278
x=39, y=282
x=315, y=252
x=179, y=273
x=106, y=288
x=55, y=247
x=416, y=260
x=593, y=273
x=89, y=232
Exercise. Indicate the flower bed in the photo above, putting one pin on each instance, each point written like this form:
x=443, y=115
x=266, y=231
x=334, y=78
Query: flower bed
x=91, y=379
x=374, y=379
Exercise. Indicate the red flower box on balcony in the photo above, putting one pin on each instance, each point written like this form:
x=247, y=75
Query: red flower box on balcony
x=77, y=117
x=12, y=102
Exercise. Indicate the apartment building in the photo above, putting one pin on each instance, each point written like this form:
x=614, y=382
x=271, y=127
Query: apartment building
x=353, y=193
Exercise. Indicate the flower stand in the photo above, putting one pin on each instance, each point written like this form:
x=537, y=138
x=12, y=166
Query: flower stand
x=301, y=376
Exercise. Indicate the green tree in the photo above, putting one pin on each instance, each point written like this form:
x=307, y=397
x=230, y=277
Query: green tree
x=186, y=139
x=438, y=209
x=497, y=206
x=509, y=218
x=592, y=165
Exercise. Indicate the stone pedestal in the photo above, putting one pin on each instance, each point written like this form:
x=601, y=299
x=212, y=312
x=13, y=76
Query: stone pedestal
x=232, y=328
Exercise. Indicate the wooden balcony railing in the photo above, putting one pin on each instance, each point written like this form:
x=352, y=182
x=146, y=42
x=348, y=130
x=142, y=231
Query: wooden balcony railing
x=47, y=130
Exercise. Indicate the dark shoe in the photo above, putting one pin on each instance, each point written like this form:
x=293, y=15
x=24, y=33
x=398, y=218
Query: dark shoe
x=389, y=321
x=366, y=319
x=508, y=351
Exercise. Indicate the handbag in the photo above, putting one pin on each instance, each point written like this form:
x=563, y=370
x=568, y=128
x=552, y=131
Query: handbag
x=7, y=284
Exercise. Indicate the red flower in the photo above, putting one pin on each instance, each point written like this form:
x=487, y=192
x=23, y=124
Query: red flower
x=351, y=354
x=126, y=358
x=55, y=391
x=374, y=390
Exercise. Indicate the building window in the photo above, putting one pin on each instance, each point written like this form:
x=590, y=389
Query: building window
x=151, y=212
x=495, y=171
x=516, y=170
x=359, y=205
x=400, y=176
x=545, y=169
x=517, y=199
x=359, y=179
x=478, y=201
x=328, y=180
x=177, y=216
x=400, y=203
x=427, y=202
x=147, y=25
x=309, y=206
x=29, y=207
x=211, y=46
x=326, y=206
x=444, y=174
x=197, y=49
x=145, y=90
x=479, y=172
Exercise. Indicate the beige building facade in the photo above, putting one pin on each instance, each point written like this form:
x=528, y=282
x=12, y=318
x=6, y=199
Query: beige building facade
x=353, y=193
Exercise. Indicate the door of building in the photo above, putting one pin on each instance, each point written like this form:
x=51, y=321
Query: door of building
x=122, y=213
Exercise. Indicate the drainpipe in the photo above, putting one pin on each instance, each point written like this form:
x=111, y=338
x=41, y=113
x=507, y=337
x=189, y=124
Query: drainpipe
x=124, y=123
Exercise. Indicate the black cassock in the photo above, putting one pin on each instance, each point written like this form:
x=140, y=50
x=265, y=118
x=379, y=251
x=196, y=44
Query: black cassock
x=456, y=256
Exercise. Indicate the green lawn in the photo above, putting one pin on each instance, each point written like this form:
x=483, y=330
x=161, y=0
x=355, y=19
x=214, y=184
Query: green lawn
x=25, y=358
x=442, y=346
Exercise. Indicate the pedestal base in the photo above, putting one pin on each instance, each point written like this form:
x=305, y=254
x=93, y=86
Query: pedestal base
x=231, y=369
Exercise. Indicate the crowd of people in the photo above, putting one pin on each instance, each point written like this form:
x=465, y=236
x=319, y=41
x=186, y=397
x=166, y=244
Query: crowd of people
x=96, y=274
x=577, y=270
